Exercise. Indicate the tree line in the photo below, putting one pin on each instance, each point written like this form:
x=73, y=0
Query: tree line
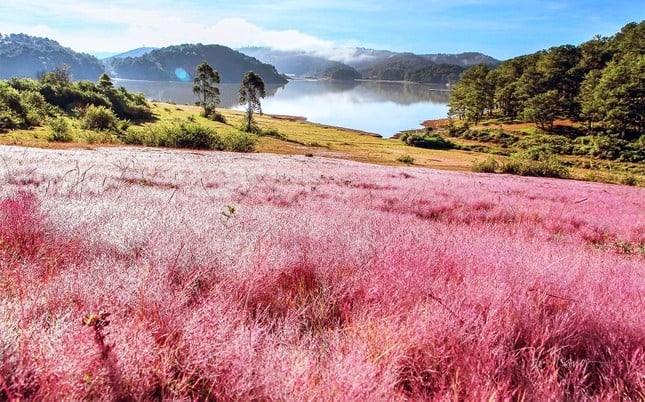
x=600, y=83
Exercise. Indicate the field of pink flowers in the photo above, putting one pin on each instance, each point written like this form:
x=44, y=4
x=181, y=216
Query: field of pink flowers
x=152, y=274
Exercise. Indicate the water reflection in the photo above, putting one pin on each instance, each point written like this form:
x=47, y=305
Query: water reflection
x=182, y=92
x=379, y=107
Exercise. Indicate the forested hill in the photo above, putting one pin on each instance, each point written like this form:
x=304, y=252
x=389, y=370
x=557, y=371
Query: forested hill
x=27, y=56
x=427, y=68
x=598, y=85
x=178, y=63
x=373, y=64
x=411, y=67
x=599, y=81
x=302, y=63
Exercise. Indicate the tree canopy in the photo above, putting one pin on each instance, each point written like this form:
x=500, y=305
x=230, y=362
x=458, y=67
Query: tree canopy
x=601, y=81
x=26, y=102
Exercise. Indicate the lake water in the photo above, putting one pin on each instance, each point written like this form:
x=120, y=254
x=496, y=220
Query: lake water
x=384, y=108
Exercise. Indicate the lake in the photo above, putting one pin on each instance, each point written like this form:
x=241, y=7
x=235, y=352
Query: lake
x=384, y=108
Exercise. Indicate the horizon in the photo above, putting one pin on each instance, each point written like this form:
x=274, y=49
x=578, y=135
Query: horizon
x=498, y=28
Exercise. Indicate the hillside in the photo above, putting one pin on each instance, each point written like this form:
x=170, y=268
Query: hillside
x=599, y=86
x=411, y=67
x=462, y=59
x=27, y=56
x=140, y=51
x=178, y=63
x=373, y=64
x=300, y=63
x=152, y=274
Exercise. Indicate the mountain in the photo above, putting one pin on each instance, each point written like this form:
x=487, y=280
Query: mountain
x=178, y=63
x=140, y=51
x=26, y=56
x=302, y=64
x=463, y=59
x=412, y=67
x=426, y=68
x=363, y=58
x=372, y=64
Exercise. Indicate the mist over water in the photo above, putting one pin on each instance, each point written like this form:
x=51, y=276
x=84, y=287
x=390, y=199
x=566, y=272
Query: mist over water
x=384, y=108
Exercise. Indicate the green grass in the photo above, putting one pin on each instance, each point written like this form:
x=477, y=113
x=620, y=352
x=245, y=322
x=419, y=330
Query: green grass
x=295, y=136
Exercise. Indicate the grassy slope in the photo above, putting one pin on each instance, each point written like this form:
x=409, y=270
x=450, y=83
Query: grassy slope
x=316, y=139
x=269, y=277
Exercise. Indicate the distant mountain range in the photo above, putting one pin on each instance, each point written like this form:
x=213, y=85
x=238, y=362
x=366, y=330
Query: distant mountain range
x=178, y=63
x=26, y=56
x=373, y=64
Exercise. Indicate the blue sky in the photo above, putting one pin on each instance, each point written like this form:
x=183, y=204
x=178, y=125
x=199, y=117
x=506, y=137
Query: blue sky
x=500, y=28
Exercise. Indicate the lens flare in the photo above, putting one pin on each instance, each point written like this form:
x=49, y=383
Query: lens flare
x=182, y=74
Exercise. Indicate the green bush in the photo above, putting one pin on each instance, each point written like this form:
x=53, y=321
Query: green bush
x=100, y=137
x=61, y=130
x=189, y=135
x=492, y=135
x=255, y=129
x=273, y=132
x=214, y=115
x=541, y=165
x=36, y=107
x=12, y=113
x=554, y=144
x=456, y=131
x=488, y=165
x=99, y=118
x=240, y=142
x=407, y=159
x=430, y=141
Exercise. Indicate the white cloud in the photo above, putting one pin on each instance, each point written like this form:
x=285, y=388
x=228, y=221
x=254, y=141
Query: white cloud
x=119, y=25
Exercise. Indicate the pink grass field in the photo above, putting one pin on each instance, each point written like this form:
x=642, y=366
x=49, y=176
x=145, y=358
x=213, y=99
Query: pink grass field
x=147, y=274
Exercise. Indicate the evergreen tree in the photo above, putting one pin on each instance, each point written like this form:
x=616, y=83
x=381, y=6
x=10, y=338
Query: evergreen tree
x=105, y=82
x=473, y=95
x=251, y=90
x=619, y=96
x=205, y=87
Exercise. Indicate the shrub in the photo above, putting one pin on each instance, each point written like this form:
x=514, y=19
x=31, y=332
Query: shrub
x=35, y=106
x=61, y=131
x=407, y=159
x=430, y=141
x=240, y=142
x=535, y=164
x=555, y=144
x=456, y=131
x=255, y=129
x=217, y=116
x=488, y=165
x=273, y=132
x=11, y=110
x=189, y=135
x=99, y=118
x=101, y=137
x=628, y=179
x=140, y=136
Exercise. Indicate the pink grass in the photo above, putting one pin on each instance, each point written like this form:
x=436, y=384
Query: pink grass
x=233, y=277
